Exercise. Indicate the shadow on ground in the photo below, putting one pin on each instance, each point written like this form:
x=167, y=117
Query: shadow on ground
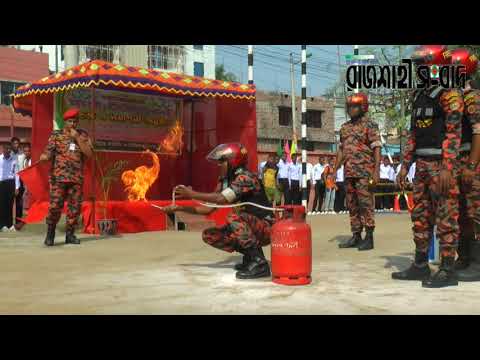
x=224, y=264
x=340, y=238
x=400, y=262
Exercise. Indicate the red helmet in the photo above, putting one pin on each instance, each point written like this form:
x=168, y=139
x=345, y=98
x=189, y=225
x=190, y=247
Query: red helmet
x=358, y=99
x=464, y=57
x=430, y=55
x=234, y=153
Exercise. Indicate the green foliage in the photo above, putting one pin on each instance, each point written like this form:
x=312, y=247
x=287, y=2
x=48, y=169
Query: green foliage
x=221, y=74
x=109, y=173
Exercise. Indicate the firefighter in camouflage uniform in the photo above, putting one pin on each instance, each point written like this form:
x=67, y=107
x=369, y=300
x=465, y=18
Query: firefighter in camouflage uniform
x=67, y=149
x=359, y=152
x=248, y=228
x=468, y=262
x=434, y=143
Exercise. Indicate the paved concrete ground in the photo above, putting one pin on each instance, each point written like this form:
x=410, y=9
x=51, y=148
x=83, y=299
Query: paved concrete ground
x=176, y=273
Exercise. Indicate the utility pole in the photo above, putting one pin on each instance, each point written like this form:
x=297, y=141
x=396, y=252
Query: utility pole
x=343, y=87
x=56, y=58
x=292, y=76
x=402, y=105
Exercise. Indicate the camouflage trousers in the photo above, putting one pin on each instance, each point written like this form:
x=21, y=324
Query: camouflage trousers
x=242, y=231
x=360, y=203
x=469, y=204
x=59, y=192
x=431, y=208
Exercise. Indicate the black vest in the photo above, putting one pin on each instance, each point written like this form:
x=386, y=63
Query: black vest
x=428, y=119
x=256, y=197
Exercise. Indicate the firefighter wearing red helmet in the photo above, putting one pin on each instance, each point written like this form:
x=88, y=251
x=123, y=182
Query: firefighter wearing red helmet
x=248, y=228
x=68, y=150
x=359, y=152
x=468, y=261
x=434, y=143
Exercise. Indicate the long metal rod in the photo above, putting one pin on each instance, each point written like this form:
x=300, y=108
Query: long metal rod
x=304, y=128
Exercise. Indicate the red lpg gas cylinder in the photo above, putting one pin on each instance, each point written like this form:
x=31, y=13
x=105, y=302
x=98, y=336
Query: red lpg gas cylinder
x=292, y=248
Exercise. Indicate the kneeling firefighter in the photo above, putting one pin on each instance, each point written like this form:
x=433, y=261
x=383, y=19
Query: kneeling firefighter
x=248, y=228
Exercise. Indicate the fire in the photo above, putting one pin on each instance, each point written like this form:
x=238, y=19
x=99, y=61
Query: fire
x=173, y=143
x=138, y=181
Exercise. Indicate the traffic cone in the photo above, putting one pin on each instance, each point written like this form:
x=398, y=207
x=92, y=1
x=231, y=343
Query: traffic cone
x=396, y=204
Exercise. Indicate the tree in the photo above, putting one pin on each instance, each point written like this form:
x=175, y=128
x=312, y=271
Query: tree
x=220, y=74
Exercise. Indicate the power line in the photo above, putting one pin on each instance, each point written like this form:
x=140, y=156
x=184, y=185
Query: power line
x=276, y=66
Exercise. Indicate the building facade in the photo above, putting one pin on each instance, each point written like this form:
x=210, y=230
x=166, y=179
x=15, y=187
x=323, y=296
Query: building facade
x=193, y=60
x=17, y=67
x=274, y=123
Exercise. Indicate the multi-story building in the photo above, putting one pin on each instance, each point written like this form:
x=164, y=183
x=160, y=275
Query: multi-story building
x=194, y=60
x=17, y=67
x=274, y=123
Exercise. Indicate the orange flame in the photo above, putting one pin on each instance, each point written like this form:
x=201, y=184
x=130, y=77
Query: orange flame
x=138, y=181
x=173, y=143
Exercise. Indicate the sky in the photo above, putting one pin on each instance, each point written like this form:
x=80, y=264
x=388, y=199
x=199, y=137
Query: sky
x=271, y=64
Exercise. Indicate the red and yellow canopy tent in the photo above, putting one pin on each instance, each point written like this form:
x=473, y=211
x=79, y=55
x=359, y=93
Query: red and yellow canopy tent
x=123, y=107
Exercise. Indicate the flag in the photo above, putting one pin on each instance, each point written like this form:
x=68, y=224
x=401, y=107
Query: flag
x=294, y=145
x=35, y=178
x=279, y=149
x=58, y=110
x=286, y=149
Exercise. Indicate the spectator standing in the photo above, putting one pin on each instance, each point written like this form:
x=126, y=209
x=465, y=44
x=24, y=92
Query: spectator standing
x=339, y=206
x=319, y=183
x=284, y=185
x=20, y=157
x=269, y=178
x=387, y=176
x=329, y=200
x=9, y=187
x=294, y=176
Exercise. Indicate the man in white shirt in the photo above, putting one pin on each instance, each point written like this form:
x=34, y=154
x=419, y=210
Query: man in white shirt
x=319, y=183
x=19, y=154
x=282, y=175
x=294, y=176
x=339, y=206
x=387, y=176
x=9, y=187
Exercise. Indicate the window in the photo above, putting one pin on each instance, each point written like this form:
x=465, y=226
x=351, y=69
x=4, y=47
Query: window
x=284, y=116
x=198, y=47
x=198, y=69
x=314, y=118
x=166, y=57
x=108, y=53
x=7, y=88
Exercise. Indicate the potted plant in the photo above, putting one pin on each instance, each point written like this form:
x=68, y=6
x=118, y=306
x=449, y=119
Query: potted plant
x=109, y=173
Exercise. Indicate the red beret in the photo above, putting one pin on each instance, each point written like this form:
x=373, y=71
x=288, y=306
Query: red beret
x=71, y=113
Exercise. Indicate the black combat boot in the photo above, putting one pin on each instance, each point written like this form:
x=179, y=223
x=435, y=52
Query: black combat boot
x=472, y=272
x=50, y=238
x=419, y=270
x=463, y=260
x=367, y=242
x=353, y=242
x=70, y=237
x=245, y=261
x=258, y=266
x=445, y=276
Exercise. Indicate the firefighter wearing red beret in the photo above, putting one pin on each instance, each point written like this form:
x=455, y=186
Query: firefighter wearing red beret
x=67, y=149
